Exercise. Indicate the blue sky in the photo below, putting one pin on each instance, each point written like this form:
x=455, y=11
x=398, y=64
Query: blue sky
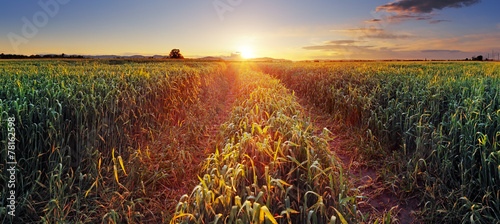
x=292, y=29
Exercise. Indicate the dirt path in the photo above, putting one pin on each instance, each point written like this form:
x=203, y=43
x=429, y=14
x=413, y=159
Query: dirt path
x=379, y=199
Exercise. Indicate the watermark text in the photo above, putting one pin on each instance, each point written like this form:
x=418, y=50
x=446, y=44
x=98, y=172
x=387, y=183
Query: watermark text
x=11, y=164
x=222, y=7
x=40, y=19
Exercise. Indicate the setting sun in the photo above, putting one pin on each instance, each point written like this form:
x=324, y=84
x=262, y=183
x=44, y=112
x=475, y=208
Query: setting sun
x=247, y=52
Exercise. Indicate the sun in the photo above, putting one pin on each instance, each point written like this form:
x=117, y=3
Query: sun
x=246, y=52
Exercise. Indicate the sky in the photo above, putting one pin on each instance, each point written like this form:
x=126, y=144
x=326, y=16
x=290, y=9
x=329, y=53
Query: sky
x=289, y=29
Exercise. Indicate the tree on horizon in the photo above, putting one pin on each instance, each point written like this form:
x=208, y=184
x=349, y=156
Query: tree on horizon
x=176, y=53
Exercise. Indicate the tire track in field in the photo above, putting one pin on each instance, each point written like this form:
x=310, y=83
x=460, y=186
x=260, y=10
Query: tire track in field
x=209, y=140
x=206, y=144
x=379, y=199
x=179, y=182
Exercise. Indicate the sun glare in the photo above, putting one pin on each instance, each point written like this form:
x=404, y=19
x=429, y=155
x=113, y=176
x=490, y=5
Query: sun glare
x=246, y=52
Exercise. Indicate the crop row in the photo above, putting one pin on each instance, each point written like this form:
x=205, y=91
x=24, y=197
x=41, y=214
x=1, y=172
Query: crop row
x=441, y=120
x=76, y=118
x=269, y=166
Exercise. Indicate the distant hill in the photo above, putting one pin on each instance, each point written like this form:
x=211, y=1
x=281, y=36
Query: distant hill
x=102, y=56
x=211, y=58
x=118, y=56
x=268, y=59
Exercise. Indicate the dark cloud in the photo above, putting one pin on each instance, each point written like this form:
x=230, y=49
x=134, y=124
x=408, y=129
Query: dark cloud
x=389, y=49
x=439, y=21
x=407, y=17
x=373, y=20
x=411, y=10
x=424, y=6
x=442, y=51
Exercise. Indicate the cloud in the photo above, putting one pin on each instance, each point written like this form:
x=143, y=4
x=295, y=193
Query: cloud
x=385, y=35
x=424, y=6
x=343, y=42
x=407, y=17
x=339, y=45
x=418, y=47
x=442, y=51
x=373, y=20
x=439, y=21
x=375, y=33
x=468, y=44
x=369, y=29
x=335, y=47
x=408, y=10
